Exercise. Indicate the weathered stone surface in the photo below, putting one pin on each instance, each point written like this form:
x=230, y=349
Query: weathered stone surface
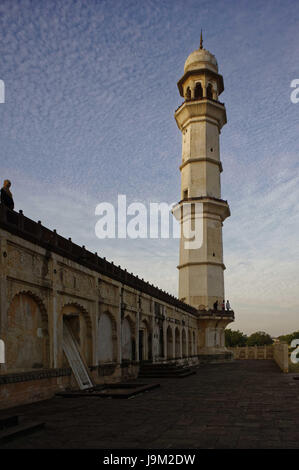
x=246, y=404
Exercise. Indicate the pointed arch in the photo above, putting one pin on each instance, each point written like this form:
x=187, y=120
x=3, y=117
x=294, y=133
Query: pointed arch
x=198, y=91
x=188, y=94
x=27, y=336
x=37, y=299
x=78, y=307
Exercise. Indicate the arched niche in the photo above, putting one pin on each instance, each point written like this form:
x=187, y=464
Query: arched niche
x=26, y=338
x=198, y=91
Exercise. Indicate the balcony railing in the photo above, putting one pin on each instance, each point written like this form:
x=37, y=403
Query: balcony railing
x=192, y=100
x=216, y=313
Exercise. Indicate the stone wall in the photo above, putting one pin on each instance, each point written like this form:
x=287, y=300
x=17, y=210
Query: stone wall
x=252, y=352
x=20, y=388
x=277, y=352
x=281, y=356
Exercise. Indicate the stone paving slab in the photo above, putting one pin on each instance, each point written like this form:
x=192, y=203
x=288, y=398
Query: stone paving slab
x=244, y=404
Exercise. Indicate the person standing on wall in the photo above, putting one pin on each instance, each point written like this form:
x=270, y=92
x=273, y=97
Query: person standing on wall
x=6, y=195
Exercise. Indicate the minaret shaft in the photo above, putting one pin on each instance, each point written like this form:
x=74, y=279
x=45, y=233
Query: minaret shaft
x=200, y=174
x=200, y=119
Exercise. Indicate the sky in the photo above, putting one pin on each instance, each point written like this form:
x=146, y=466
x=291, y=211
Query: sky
x=90, y=95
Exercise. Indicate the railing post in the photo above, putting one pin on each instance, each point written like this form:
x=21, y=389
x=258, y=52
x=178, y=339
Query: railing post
x=21, y=221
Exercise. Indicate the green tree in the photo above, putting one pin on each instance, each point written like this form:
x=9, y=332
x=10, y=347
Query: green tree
x=234, y=338
x=289, y=338
x=259, y=338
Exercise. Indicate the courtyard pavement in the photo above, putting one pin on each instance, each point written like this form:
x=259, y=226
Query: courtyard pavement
x=244, y=404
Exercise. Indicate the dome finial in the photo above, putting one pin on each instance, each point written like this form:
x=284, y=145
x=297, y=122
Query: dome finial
x=200, y=47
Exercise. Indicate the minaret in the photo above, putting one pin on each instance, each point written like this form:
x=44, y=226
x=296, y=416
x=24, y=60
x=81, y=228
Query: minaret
x=200, y=119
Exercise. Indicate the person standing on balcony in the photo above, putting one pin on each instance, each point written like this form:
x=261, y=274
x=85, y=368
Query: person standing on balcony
x=227, y=305
x=6, y=195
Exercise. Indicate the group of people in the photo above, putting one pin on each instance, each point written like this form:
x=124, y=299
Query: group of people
x=225, y=306
x=6, y=195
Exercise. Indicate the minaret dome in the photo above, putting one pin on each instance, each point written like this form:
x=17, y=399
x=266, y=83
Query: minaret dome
x=201, y=59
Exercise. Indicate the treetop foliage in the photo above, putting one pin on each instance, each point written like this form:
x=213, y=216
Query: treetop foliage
x=237, y=338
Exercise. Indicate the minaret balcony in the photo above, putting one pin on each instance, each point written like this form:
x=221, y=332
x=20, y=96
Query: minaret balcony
x=216, y=314
x=211, y=205
x=202, y=108
x=199, y=99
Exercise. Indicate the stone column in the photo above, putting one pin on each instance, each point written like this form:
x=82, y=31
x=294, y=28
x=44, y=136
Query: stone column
x=153, y=331
x=204, y=87
x=173, y=341
x=192, y=88
x=181, y=342
x=97, y=314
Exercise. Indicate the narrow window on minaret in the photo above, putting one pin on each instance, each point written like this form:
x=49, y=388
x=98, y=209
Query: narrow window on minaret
x=185, y=194
x=198, y=91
